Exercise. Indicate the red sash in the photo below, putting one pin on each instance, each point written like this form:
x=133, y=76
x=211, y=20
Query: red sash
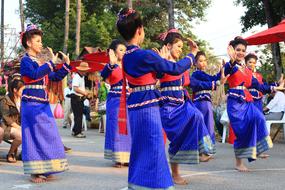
x=169, y=78
x=149, y=78
x=186, y=75
x=116, y=76
x=122, y=117
x=28, y=80
x=142, y=80
x=239, y=77
x=258, y=76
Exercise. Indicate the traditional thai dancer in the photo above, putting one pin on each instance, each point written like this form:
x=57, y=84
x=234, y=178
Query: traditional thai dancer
x=148, y=167
x=42, y=148
x=247, y=121
x=250, y=61
x=202, y=93
x=182, y=122
x=117, y=146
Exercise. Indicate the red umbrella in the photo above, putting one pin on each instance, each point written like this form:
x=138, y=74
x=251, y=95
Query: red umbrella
x=96, y=61
x=271, y=35
x=100, y=57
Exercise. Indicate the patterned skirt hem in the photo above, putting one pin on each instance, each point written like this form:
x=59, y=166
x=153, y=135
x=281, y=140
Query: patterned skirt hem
x=45, y=166
x=137, y=187
x=185, y=157
x=252, y=152
x=206, y=146
x=121, y=157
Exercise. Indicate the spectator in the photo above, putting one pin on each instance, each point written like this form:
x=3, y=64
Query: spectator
x=77, y=98
x=10, y=115
x=67, y=104
x=275, y=109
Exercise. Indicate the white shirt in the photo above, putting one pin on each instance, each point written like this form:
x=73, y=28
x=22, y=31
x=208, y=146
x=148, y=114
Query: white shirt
x=277, y=104
x=86, y=103
x=67, y=91
x=79, y=82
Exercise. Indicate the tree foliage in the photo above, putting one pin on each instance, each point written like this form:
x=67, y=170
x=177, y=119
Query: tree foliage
x=255, y=13
x=266, y=67
x=98, y=20
x=261, y=12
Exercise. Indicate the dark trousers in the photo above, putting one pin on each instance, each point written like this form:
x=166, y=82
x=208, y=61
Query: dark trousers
x=86, y=112
x=77, y=109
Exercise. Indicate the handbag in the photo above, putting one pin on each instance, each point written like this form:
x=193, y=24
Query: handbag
x=58, y=111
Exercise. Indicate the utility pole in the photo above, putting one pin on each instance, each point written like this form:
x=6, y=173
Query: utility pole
x=2, y=33
x=170, y=4
x=78, y=22
x=22, y=17
x=66, y=32
x=130, y=4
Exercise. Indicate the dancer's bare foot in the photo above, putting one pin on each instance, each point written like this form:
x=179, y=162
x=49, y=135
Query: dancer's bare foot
x=263, y=156
x=177, y=179
x=37, y=179
x=240, y=166
x=51, y=178
x=205, y=158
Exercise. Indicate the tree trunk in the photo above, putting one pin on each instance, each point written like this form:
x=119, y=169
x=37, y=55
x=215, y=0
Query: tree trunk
x=170, y=4
x=78, y=22
x=66, y=31
x=275, y=48
x=22, y=17
x=130, y=4
x=2, y=33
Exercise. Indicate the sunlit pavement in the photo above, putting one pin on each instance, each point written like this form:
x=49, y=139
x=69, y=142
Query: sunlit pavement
x=89, y=170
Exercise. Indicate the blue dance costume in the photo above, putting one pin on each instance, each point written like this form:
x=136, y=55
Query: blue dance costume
x=247, y=121
x=42, y=148
x=148, y=167
x=117, y=146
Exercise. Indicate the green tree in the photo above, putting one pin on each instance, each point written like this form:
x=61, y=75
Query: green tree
x=261, y=12
x=98, y=18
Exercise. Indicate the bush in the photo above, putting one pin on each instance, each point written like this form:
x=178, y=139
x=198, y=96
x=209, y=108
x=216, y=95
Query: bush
x=2, y=91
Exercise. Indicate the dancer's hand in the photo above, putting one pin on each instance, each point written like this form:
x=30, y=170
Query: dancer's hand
x=224, y=78
x=194, y=47
x=223, y=62
x=281, y=86
x=164, y=52
x=156, y=50
x=231, y=53
x=112, y=57
x=53, y=56
x=65, y=57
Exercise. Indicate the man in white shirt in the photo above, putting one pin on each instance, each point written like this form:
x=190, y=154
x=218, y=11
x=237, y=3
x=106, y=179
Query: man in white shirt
x=67, y=104
x=276, y=107
x=77, y=98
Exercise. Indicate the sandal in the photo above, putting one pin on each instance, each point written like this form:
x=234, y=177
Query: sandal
x=11, y=158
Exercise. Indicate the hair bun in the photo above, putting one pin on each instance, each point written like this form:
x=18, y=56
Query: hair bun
x=238, y=38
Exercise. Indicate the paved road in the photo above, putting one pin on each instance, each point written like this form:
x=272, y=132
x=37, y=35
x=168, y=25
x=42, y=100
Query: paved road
x=88, y=170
